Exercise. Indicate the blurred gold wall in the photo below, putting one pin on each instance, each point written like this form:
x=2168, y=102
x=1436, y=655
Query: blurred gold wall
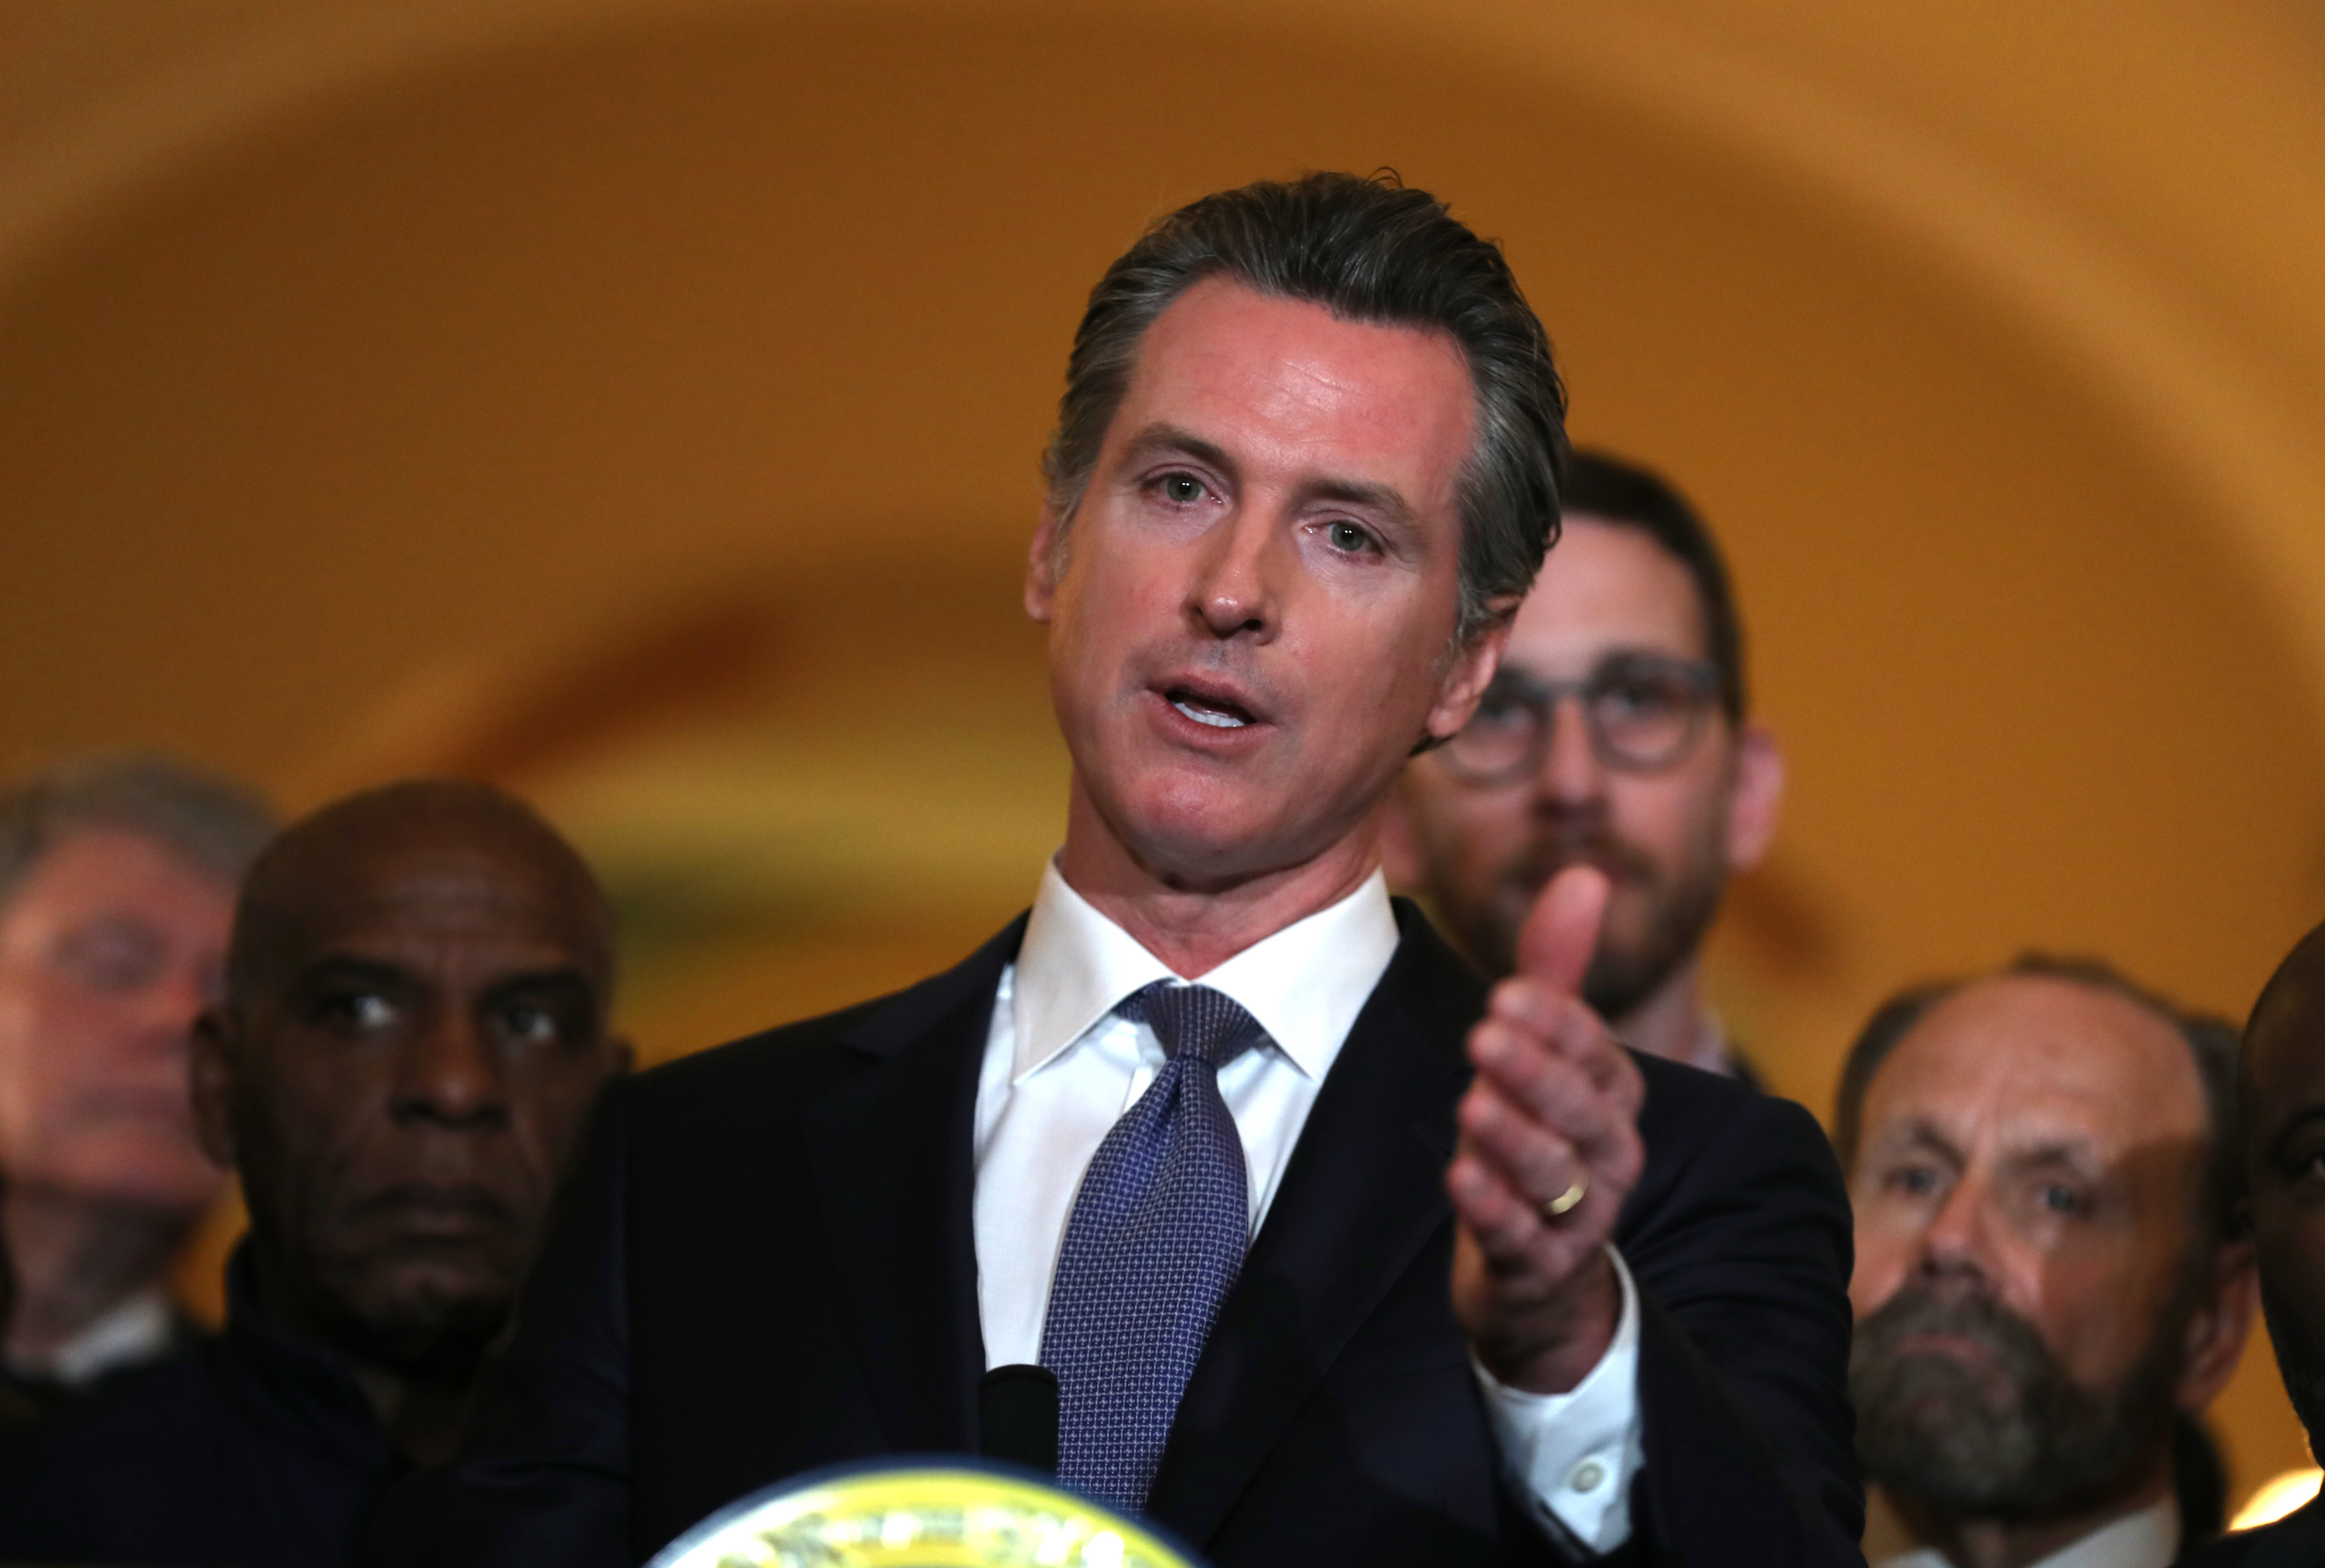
x=637, y=401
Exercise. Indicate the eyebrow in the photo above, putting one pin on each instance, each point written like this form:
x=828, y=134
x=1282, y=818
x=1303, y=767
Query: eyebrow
x=2076, y=1153
x=1159, y=440
x=345, y=966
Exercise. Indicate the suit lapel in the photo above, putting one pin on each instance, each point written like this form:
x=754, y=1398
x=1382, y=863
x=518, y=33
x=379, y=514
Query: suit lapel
x=891, y=1149
x=1363, y=1195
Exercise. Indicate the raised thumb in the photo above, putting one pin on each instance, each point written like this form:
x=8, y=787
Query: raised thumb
x=1556, y=943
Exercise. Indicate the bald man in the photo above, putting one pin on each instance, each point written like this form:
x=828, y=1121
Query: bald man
x=2049, y=1279
x=2283, y=1069
x=413, y=1033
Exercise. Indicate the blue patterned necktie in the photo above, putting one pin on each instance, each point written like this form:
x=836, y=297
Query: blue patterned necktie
x=1157, y=1237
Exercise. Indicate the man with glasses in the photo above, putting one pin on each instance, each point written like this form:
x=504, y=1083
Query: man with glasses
x=1614, y=735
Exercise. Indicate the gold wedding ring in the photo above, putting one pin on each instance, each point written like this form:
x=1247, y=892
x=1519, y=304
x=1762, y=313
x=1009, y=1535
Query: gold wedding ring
x=1569, y=1198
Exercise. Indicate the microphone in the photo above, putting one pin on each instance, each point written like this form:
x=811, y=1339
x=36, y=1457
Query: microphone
x=1017, y=1417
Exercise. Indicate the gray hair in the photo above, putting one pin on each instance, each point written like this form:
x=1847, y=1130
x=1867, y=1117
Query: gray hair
x=213, y=822
x=1371, y=250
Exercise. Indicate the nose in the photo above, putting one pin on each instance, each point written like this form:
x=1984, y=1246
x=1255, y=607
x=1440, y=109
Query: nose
x=1233, y=594
x=448, y=1076
x=1956, y=1249
x=1571, y=779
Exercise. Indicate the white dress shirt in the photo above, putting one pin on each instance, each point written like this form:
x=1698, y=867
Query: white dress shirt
x=1060, y=1068
x=2149, y=1538
x=141, y=1328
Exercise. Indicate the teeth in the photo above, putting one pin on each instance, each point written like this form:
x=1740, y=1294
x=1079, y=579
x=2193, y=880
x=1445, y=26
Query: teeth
x=1211, y=716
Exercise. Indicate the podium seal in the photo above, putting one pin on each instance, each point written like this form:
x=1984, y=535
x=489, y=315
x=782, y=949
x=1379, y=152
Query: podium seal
x=935, y=1514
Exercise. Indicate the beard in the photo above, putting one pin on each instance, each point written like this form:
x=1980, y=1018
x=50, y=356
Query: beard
x=2015, y=1438
x=2299, y=1359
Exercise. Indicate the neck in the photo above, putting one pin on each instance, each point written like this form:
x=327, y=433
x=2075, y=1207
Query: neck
x=1194, y=924
x=1989, y=1542
x=76, y=1259
x=423, y=1417
x=1671, y=1023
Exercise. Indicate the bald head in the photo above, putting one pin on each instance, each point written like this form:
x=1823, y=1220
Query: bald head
x=2284, y=1101
x=2290, y=1015
x=414, y=1034
x=428, y=839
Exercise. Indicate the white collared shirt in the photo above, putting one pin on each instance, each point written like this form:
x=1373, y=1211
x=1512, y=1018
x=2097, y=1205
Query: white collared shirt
x=2149, y=1538
x=137, y=1329
x=1060, y=1068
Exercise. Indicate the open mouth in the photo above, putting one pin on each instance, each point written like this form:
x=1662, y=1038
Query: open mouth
x=1216, y=711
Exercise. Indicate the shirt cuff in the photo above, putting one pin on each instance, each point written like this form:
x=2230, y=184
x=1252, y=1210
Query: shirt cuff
x=1576, y=1453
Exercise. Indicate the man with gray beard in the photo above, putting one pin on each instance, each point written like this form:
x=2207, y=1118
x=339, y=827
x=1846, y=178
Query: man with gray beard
x=1616, y=734
x=2049, y=1285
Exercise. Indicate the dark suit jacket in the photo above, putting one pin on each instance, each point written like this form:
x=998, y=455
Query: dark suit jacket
x=766, y=1264
x=2295, y=1541
x=253, y=1449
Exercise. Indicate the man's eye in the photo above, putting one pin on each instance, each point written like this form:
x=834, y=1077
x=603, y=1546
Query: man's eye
x=113, y=957
x=359, y=1010
x=1640, y=698
x=1917, y=1181
x=1501, y=710
x=1182, y=489
x=2059, y=1198
x=1348, y=538
x=533, y=1025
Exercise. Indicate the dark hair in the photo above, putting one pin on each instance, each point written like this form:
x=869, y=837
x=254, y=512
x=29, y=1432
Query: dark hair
x=213, y=822
x=2212, y=1045
x=1602, y=485
x=1367, y=249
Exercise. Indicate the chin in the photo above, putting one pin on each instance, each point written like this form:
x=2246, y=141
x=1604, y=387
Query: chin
x=1210, y=835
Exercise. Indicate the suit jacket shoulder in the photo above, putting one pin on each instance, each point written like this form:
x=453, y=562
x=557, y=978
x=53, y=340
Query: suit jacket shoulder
x=1740, y=1238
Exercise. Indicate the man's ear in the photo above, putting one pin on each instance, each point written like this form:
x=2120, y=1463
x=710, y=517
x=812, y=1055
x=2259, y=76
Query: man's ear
x=2219, y=1327
x=1043, y=558
x=622, y=1057
x=1752, y=803
x=1471, y=669
x=209, y=1073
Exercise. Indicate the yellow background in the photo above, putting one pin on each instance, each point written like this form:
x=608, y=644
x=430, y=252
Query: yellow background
x=637, y=401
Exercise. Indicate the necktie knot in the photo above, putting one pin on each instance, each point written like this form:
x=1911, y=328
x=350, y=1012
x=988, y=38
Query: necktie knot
x=1194, y=1020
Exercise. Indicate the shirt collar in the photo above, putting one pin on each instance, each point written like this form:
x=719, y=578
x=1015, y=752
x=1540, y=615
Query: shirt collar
x=2149, y=1538
x=141, y=1328
x=1305, y=984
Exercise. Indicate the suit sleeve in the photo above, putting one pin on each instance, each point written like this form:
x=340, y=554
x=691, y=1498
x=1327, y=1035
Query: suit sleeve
x=543, y=1475
x=1743, y=1272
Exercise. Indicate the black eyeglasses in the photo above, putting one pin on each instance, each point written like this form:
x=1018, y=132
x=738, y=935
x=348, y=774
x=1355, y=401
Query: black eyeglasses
x=1644, y=713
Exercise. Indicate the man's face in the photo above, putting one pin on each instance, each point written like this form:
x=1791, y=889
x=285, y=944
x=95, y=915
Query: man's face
x=1667, y=837
x=405, y=1081
x=2025, y=1190
x=110, y=947
x=2284, y=1167
x=1253, y=621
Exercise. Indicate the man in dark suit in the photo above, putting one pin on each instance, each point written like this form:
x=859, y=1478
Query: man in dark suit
x=2282, y=1091
x=1316, y=1286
